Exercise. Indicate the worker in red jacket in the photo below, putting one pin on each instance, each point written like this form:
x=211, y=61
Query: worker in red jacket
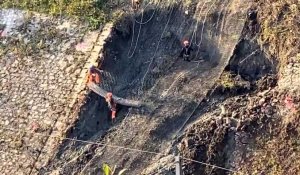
x=112, y=105
x=94, y=75
x=186, y=51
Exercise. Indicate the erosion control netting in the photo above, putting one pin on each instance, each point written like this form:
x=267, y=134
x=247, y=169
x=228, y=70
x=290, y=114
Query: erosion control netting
x=250, y=61
x=152, y=72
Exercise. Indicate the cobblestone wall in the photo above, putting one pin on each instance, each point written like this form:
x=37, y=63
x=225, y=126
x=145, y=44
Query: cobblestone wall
x=43, y=64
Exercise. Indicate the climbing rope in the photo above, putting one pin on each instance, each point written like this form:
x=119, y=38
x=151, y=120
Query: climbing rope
x=248, y=56
x=197, y=23
x=140, y=27
x=202, y=30
x=219, y=15
x=223, y=23
x=157, y=46
x=192, y=113
x=142, y=23
x=137, y=39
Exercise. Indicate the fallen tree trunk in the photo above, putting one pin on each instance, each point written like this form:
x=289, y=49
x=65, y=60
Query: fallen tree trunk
x=98, y=90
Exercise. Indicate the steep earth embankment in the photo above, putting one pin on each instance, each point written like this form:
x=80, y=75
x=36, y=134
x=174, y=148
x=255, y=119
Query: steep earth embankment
x=142, y=62
x=256, y=129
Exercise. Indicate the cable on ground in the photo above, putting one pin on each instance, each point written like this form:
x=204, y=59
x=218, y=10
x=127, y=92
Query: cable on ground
x=141, y=23
x=152, y=58
x=117, y=147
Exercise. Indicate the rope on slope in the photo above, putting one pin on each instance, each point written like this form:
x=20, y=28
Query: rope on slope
x=219, y=15
x=202, y=30
x=133, y=29
x=223, y=22
x=197, y=22
x=152, y=58
x=142, y=23
x=248, y=56
x=192, y=113
x=116, y=147
x=137, y=39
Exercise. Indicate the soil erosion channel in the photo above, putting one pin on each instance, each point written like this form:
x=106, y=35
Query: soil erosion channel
x=148, y=69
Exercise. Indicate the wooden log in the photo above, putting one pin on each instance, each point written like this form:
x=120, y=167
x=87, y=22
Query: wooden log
x=98, y=90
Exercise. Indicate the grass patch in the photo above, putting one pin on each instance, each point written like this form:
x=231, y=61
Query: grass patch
x=226, y=80
x=279, y=24
x=93, y=11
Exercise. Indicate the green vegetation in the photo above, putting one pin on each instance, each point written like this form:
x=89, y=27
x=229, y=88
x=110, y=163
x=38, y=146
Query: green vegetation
x=92, y=11
x=226, y=80
x=107, y=170
x=279, y=31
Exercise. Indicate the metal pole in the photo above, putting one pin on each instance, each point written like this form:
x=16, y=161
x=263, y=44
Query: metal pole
x=178, y=165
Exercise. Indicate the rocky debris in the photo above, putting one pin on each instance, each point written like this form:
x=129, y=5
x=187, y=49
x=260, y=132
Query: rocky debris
x=237, y=120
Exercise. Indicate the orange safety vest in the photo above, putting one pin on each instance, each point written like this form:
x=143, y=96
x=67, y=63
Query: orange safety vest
x=94, y=77
x=112, y=106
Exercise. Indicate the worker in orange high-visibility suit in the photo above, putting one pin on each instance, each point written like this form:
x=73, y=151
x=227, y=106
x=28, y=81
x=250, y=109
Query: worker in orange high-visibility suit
x=94, y=75
x=112, y=105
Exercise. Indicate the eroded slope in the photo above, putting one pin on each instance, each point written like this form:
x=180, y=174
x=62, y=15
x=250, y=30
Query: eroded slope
x=154, y=73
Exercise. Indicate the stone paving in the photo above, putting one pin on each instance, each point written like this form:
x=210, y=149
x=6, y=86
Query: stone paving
x=43, y=68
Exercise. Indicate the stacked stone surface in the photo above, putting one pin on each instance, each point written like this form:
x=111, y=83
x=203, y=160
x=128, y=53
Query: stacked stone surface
x=42, y=70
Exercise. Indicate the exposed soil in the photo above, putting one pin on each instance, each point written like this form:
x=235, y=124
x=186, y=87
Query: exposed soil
x=257, y=130
x=235, y=107
x=172, y=88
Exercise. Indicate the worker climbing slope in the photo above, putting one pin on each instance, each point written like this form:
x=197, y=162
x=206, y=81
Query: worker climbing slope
x=111, y=105
x=186, y=51
x=94, y=75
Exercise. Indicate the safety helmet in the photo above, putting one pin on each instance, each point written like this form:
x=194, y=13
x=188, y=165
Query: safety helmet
x=92, y=67
x=186, y=42
x=109, y=94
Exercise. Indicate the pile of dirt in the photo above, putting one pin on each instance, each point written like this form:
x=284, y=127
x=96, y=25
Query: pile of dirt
x=219, y=133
